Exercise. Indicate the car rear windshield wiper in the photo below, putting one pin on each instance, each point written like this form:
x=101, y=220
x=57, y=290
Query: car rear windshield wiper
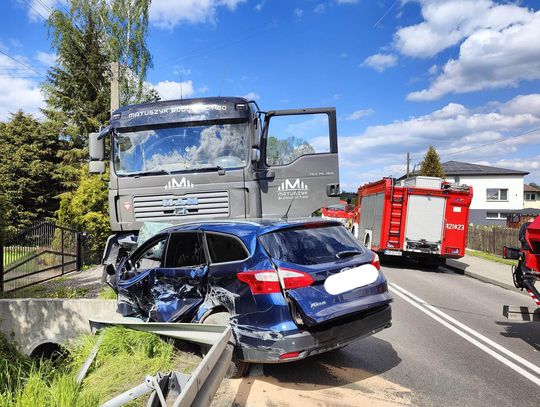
x=347, y=253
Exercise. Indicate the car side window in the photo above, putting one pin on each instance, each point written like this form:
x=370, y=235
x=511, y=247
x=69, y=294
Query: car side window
x=225, y=248
x=185, y=250
x=152, y=258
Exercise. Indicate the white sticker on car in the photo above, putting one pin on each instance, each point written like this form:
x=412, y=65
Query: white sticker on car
x=350, y=279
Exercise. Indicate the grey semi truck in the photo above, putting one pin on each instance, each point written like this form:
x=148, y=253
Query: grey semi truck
x=213, y=158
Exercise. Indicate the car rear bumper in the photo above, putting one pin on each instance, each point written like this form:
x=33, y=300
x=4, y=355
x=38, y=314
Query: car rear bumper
x=309, y=343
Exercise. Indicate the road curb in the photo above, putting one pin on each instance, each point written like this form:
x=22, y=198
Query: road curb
x=483, y=278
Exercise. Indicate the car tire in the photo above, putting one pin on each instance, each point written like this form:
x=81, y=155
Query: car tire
x=237, y=368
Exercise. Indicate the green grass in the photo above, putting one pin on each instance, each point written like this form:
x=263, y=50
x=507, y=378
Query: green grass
x=490, y=257
x=107, y=293
x=50, y=289
x=124, y=359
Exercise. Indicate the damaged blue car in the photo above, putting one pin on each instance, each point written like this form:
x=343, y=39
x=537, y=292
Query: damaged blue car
x=289, y=289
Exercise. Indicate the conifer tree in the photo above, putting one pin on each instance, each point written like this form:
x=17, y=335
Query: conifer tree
x=27, y=164
x=431, y=165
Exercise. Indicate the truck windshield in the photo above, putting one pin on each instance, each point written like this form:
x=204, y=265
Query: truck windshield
x=181, y=148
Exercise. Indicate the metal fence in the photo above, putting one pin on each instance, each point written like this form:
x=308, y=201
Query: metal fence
x=39, y=253
x=491, y=239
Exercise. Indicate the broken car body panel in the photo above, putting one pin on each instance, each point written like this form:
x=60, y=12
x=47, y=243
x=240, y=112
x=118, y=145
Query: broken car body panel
x=187, y=272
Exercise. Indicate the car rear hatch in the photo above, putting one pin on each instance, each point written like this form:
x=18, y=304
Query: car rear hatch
x=325, y=273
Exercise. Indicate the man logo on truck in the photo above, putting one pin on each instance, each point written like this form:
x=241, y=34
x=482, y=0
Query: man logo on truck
x=290, y=190
x=184, y=183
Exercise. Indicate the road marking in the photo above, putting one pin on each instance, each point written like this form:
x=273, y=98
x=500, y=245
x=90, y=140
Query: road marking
x=422, y=306
x=495, y=345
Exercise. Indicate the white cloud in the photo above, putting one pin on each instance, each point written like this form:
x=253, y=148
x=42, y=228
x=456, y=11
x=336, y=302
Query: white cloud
x=347, y=1
x=457, y=132
x=252, y=96
x=169, y=13
x=298, y=12
x=447, y=22
x=169, y=90
x=319, y=8
x=203, y=89
x=380, y=62
x=260, y=5
x=359, y=114
x=46, y=59
x=18, y=92
x=489, y=59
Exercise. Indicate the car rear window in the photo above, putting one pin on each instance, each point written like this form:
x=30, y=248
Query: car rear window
x=309, y=245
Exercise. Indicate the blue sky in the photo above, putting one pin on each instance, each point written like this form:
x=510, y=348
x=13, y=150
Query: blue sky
x=462, y=75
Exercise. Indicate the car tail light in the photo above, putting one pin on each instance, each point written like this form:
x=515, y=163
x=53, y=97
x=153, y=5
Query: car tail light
x=261, y=281
x=290, y=355
x=375, y=262
x=294, y=278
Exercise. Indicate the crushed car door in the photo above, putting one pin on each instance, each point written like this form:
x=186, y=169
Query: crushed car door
x=169, y=278
x=299, y=159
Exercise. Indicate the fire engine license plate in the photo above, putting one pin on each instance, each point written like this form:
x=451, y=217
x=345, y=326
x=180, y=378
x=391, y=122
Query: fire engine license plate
x=393, y=252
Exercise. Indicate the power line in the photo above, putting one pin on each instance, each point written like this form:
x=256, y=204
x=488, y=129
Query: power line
x=35, y=11
x=489, y=144
x=22, y=63
x=384, y=15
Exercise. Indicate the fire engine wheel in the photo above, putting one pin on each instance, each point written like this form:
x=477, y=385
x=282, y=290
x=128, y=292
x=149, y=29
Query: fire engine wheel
x=237, y=368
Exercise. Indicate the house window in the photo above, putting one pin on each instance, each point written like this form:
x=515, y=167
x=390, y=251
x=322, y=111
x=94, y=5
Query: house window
x=496, y=194
x=530, y=196
x=496, y=215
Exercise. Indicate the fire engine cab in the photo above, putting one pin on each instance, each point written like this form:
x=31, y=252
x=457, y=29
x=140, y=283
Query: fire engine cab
x=421, y=217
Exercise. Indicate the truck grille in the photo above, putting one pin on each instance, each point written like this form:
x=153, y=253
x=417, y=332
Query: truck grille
x=177, y=207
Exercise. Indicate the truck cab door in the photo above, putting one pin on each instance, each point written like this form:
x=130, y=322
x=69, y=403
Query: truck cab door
x=298, y=171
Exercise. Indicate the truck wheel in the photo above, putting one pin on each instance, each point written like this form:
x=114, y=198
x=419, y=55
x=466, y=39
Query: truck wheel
x=237, y=368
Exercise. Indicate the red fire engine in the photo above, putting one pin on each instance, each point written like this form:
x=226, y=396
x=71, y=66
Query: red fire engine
x=342, y=211
x=424, y=217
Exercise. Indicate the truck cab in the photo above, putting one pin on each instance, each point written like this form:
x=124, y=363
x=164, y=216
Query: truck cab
x=213, y=158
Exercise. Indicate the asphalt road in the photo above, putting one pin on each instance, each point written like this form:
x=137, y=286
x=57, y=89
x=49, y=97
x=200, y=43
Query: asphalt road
x=449, y=346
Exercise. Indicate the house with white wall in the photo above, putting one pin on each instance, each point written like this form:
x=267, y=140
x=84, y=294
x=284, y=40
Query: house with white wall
x=496, y=191
x=531, y=197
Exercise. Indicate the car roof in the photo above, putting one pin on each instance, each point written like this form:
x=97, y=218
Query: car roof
x=249, y=226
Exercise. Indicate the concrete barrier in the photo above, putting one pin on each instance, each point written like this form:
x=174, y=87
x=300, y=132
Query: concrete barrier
x=41, y=323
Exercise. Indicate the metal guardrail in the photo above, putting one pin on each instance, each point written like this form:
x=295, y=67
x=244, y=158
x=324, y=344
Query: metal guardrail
x=174, y=388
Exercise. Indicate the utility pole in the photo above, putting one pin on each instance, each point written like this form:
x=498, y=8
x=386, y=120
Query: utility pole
x=115, y=93
x=408, y=163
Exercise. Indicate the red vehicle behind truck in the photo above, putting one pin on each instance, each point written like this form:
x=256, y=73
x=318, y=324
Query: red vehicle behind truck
x=423, y=217
x=342, y=212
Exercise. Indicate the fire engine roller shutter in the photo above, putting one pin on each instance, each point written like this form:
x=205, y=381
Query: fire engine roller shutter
x=425, y=218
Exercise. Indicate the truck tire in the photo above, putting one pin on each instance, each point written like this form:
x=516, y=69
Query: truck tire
x=237, y=368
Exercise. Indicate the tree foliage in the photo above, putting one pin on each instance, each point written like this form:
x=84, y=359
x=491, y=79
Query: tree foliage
x=285, y=151
x=27, y=164
x=431, y=165
x=86, y=208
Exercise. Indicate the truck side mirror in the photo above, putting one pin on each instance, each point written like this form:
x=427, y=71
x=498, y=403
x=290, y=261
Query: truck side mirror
x=255, y=155
x=96, y=147
x=96, y=167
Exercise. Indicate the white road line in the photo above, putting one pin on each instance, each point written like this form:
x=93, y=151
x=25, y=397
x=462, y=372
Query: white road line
x=481, y=346
x=493, y=344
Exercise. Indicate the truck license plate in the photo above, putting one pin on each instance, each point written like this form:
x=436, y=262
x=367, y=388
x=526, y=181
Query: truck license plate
x=393, y=252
